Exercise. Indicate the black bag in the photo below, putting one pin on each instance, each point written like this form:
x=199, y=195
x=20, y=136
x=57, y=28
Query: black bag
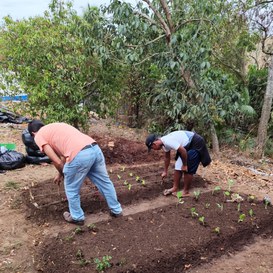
x=37, y=159
x=32, y=152
x=29, y=140
x=10, y=160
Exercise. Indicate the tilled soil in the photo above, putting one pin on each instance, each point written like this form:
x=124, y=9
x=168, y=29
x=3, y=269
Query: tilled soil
x=172, y=238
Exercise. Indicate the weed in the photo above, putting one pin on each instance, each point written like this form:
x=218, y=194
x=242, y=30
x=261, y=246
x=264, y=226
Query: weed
x=230, y=184
x=11, y=185
x=207, y=205
x=103, y=264
x=143, y=183
x=241, y=217
x=129, y=186
x=137, y=178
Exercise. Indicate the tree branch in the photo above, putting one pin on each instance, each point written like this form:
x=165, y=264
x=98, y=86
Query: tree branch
x=160, y=18
x=167, y=13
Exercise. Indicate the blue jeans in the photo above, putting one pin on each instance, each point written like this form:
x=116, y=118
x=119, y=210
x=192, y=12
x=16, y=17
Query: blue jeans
x=88, y=163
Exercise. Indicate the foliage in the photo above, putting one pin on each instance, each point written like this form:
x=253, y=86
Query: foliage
x=50, y=63
x=103, y=264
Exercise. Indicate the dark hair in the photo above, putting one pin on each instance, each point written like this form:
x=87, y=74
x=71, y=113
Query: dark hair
x=34, y=126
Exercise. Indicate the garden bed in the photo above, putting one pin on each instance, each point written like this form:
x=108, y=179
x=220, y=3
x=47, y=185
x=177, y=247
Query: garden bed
x=46, y=202
x=168, y=239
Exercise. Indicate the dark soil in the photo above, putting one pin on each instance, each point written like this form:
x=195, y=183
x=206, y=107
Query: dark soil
x=169, y=239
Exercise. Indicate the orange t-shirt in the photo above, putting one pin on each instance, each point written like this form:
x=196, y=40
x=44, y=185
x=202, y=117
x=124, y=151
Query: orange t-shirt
x=64, y=139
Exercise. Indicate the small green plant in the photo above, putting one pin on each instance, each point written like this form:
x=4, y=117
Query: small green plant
x=78, y=230
x=92, y=227
x=123, y=169
x=216, y=189
x=197, y=194
x=239, y=207
x=103, y=264
x=207, y=205
x=131, y=174
x=202, y=220
x=194, y=213
x=119, y=177
x=80, y=257
x=251, y=213
x=125, y=183
x=143, y=183
x=217, y=230
x=180, y=197
x=230, y=184
x=226, y=193
x=241, y=217
x=137, y=178
x=251, y=198
x=129, y=186
x=12, y=185
x=220, y=206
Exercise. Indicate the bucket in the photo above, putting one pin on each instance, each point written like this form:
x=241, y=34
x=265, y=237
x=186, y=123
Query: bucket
x=9, y=146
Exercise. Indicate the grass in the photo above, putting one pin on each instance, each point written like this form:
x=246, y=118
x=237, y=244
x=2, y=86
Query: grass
x=12, y=185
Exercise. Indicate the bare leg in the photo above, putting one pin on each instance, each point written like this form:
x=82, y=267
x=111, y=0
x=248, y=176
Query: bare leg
x=176, y=179
x=187, y=183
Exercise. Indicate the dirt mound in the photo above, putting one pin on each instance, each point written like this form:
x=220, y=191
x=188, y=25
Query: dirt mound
x=124, y=151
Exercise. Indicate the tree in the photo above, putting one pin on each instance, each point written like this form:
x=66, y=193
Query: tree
x=50, y=63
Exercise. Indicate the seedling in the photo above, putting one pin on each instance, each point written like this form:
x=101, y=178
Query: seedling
x=216, y=189
x=131, y=174
x=125, y=183
x=217, y=230
x=241, y=217
x=239, y=207
x=119, y=177
x=207, y=205
x=180, y=197
x=226, y=193
x=202, y=220
x=266, y=203
x=92, y=227
x=103, y=264
x=220, y=206
x=196, y=194
x=251, y=213
x=137, y=178
x=143, y=182
x=82, y=260
x=230, y=184
x=123, y=169
x=194, y=213
x=78, y=230
x=129, y=186
x=251, y=198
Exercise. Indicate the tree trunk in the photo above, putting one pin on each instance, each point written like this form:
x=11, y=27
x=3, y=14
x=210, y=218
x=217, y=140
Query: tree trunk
x=266, y=111
x=214, y=138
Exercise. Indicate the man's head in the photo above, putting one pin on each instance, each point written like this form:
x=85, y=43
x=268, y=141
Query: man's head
x=34, y=126
x=150, y=140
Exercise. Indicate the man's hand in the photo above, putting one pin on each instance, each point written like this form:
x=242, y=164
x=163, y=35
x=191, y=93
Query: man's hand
x=184, y=168
x=58, y=179
x=163, y=175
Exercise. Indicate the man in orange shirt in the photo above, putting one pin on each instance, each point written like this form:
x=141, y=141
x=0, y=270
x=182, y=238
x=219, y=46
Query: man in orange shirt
x=75, y=156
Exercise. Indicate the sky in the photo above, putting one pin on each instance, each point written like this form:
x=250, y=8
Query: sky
x=19, y=9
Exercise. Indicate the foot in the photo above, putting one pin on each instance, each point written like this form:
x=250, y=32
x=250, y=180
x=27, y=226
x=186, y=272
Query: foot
x=116, y=215
x=170, y=192
x=68, y=218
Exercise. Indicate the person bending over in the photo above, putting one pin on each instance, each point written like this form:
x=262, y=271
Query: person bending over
x=76, y=156
x=190, y=150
